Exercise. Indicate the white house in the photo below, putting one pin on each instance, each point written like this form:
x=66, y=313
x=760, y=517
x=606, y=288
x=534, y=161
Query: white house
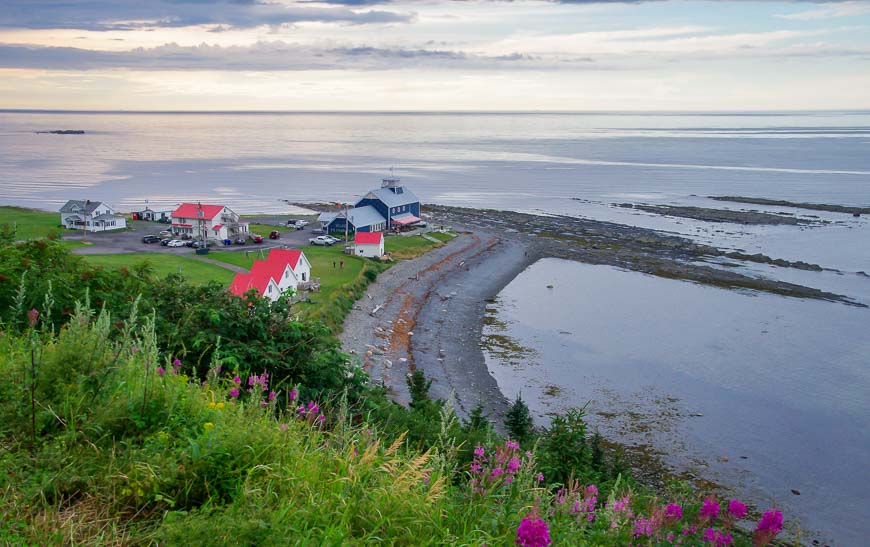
x=368, y=244
x=93, y=216
x=209, y=221
x=154, y=215
x=282, y=271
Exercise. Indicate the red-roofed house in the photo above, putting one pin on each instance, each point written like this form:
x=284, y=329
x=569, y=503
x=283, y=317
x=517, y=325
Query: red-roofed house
x=282, y=271
x=370, y=244
x=217, y=221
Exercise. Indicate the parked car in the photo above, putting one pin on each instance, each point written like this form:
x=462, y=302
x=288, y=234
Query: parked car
x=256, y=238
x=334, y=240
x=240, y=241
x=274, y=234
x=165, y=233
x=175, y=243
x=200, y=245
x=321, y=241
x=164, y=220
x=150, y=239
x=189, y=242
x=165, y=241
x=297, y=223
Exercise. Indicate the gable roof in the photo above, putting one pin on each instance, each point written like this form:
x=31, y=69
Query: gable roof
x=391, y=199
x=326, y=217
x=258, y=279
x=368, y=238
x=86, y=206
x=365, y=216
x=189, y=210
x=285, y=256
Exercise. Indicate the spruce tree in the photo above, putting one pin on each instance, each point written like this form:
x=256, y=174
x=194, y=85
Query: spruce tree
x=518, y=420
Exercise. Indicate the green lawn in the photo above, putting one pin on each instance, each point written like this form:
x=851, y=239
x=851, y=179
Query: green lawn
x=264, y=229
x=407, y=247
x=194, y=271
x=29, y=223
x=441, y=236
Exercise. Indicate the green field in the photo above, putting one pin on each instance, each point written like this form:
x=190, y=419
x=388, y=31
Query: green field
x=29, y=223
x=193, y=271
x=264, y=229
x=442, y=237
x=402, y=248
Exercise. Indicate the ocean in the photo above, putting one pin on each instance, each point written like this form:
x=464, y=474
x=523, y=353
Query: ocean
x=763, y=393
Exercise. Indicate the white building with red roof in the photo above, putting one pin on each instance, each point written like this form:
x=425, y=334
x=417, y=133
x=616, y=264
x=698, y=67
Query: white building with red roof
x=208, y=221
x=368, y=244
x=282, y=271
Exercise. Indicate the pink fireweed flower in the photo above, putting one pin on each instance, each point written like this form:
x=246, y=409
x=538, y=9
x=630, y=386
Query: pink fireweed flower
x=313, y=408
x=32, y=317
x=642, y=527
x=513, y=465
x=321, y=418
x=512, y=445
x=533, y=532
x=737, y=509
x=176, y=362
x=621, y=504
x=283, y=427
x=768, y=527
x=237, y=380
x=272, y=395
x=292, y=395
x=717, y=538
x=710, y=510
x=670, y=537
x=234, y=393
x=161, y=371
x=539, y=477
x=674, y=511
x=479, y=451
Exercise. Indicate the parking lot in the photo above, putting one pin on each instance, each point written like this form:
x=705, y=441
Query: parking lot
x=130, y=241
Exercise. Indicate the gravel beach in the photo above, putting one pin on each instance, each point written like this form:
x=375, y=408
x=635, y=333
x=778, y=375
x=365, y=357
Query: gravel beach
x=430, y=315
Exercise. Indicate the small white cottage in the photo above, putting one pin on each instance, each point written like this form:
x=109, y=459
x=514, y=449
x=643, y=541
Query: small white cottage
x=368, y=244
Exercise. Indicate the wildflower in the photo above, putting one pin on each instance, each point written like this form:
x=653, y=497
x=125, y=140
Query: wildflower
x=220, y=406
x=539, y=477
x=642, y=527
x=237, y=380
x=512, y=445
x=479, y=451
x=161, y=371
x=529, y=454
x=670, y=537
x=533, y=532
x=176, y=363
x=768, y=527
x=32, y=317
x=717, y=538
x=513, y=465
x=591, y=490
x=208, y=426
x=674, y=511
x=283, y=427
x=212, y=404
x=292, y=395
x=710, y=510
x=234, y=393
x=313, y=408
x=272, y=395
x=321, y=418
x=737, y=509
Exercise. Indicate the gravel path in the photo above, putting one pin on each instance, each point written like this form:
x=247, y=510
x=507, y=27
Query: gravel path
x=227, y=265
x=429, y=316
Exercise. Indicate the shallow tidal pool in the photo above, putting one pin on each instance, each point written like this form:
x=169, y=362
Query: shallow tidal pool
x=760, y=393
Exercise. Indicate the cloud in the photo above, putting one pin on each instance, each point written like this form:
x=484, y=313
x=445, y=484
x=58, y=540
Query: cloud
x=262, y=56
x=103, y=15
x=831, y=11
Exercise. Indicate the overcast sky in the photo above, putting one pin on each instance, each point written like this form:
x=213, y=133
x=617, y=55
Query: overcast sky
x=433, y=55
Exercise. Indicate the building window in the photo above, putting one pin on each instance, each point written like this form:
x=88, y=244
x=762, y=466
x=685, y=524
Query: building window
x=303, y=276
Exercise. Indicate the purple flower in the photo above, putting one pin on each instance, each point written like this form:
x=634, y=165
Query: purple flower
x=512, y=445
x=161, y=371
x=540, y=477
x=272, y=395
x=176, y=363
x=768, y=527
x=292, y=395
x=237, y=380
x=719, y=539
x=737, y=509
x=710, y=509
x=283, y=427
x=674, y=511
x=32, y=317
x=479, y=451
x=513, y=465
x=642, y=527
x=234, y=393
x=533, y=532
x=321, y=418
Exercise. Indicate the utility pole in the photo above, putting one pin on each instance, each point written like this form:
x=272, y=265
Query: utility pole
x=346, y=222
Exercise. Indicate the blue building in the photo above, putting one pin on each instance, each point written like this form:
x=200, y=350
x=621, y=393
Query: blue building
x=390, y=207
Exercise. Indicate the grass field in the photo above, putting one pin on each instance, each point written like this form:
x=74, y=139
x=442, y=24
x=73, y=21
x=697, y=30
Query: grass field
x=264, y=229
x=30, y=224
x=403, y=248
x=441, y=236
x=194, y=271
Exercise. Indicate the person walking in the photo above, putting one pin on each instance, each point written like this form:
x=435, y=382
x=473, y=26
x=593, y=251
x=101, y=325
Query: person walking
x=333, y=264
x=342, y=265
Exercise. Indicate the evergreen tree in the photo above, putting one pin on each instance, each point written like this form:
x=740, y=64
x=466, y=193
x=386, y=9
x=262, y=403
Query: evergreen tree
x=419, y=387
x=518, y=420
x=478, y=420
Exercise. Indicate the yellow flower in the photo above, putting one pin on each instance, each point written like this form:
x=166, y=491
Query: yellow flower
x=212, y=404
x=220, y=406
x=208, y=426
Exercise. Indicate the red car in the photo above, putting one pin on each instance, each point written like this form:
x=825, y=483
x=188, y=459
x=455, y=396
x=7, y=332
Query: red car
x=274, y=234
x=257, y=238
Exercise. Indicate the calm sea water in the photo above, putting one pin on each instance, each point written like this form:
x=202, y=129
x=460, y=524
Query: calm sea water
x=782, y=382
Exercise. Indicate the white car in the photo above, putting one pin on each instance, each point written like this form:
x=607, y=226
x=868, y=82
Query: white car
x=334, y=240
x=175, y=243
x=323, y=241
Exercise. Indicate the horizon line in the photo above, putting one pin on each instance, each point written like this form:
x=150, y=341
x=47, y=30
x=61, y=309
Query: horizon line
x=440, y=112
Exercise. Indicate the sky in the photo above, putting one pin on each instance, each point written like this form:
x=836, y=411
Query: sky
x=434, y=55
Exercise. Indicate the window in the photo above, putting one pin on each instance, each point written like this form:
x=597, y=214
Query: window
x=270, y=289
x=303, y=276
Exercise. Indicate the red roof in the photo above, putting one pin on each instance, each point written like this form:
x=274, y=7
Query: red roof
x=368, y=238
x=241, y=284
x=217, y=227
x=406, y=219
x=258, y=279
x=286, y=256
x=191, y=210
